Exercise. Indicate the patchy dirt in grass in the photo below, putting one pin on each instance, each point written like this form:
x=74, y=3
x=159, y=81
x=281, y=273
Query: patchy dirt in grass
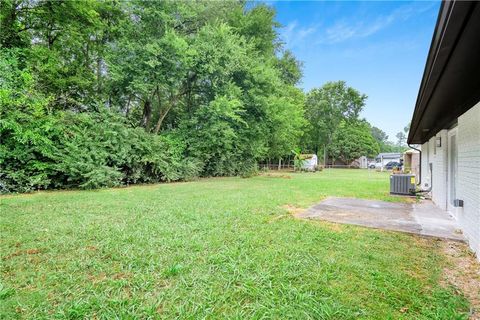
x=336, y=227
x=463, y=272
x=277, y=175
x=280, y=217
x=97, y=277
x=21, y=252
x=102, y=276
x=159, y=309
x=122, y=276
x=293, y=210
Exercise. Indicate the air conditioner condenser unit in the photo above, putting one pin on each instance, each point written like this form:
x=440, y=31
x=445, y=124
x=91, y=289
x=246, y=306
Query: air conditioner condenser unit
x=403, y=184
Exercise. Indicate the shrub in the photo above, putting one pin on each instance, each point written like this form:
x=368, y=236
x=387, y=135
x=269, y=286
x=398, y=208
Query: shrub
x=86, y=150
x=248, y=169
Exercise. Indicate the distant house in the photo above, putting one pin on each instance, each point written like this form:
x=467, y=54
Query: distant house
x=384, y=158
x=361, y=162
x=446, y=120
x=411, y=162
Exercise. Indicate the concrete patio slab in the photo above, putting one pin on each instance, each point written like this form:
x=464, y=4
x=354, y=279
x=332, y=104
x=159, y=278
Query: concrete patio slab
x=422, y=218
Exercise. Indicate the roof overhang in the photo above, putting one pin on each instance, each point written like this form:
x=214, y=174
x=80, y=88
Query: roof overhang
x=451, y=80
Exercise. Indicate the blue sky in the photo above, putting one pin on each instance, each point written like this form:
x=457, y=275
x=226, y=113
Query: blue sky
x=379, y=48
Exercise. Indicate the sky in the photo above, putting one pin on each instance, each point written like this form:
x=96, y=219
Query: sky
x=379, y=48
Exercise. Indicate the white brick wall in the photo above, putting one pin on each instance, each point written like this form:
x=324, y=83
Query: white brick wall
x=439, y=179
x=468, y=179
x=468, y=188
x=425, y=175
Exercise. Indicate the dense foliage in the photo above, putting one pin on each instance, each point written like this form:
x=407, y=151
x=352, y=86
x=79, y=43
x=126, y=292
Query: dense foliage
x=326, y=109
x=106, y=93
x=351, y=141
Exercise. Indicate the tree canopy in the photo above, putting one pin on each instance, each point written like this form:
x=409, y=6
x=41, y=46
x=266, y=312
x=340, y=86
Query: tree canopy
x=384, y=144
x=351, y=141
x=104, y=93
x=326, y=108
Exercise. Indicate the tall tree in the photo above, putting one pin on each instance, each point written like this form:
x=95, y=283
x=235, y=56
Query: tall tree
x=400, y=139
x=402, y=136
x=379, y=135
x=144, y=90
x=290, y=68
x=64, y=44
x=326, y=108
x=351, y=141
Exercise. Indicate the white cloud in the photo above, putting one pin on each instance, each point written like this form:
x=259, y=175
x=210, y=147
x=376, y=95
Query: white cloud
x=294, y=35
x=343, y=30
x=302, y=33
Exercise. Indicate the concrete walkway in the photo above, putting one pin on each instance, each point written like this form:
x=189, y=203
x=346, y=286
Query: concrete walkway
x=422, y=218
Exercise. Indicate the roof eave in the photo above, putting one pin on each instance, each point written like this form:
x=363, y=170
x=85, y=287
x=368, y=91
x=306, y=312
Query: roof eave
x=448, y=84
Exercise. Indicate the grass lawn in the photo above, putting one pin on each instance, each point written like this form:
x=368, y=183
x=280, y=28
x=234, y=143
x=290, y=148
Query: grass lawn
x=214, y=248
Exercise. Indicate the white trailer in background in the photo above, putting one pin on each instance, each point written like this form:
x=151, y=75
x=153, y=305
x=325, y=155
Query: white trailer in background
x=310, y=162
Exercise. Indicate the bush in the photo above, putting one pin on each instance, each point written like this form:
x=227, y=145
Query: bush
x=86, y=150
x=249, y=169
x=26, y=148
x=42, y=148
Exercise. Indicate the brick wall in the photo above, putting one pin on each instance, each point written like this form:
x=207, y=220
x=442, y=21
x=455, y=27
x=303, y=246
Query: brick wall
x=440, y=158
x=468, y=187
x=425, y=176
x=437, y=177
x=468, y=179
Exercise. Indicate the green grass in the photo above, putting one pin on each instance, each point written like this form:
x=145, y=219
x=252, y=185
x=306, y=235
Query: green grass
x=214, y=248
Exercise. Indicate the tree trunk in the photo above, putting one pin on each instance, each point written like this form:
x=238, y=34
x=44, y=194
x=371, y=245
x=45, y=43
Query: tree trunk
x=324, y=156
x=160, y=120
x=164, y=114
x=279, y=164
x=127, y=108
x=99, y=74
x=147, y=114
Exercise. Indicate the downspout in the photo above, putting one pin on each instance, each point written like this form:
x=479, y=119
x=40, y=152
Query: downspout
x=431, y=182
x=419, y=164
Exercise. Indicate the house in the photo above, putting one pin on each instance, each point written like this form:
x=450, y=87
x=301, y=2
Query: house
x=411, y=162
x=361, y=162
x=384, y=158
x=446, y=120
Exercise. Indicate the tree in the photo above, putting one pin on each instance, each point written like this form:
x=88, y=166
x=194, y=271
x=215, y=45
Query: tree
x=379, y=135
x=286, y=123
x=150, y=62
x=13, y=24
x=63, y=43
x=290, y=68
x=326, y=108
x=258, y=26
x=113, y=92
x=351, y=141
x=402, y=136
x=400, y=139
